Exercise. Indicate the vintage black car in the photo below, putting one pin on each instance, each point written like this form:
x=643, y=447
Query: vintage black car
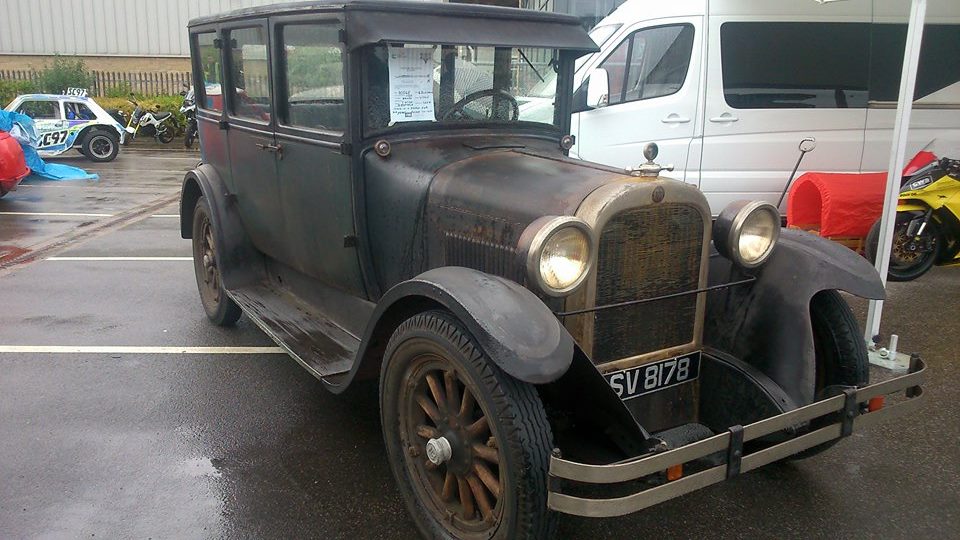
x=385, y=190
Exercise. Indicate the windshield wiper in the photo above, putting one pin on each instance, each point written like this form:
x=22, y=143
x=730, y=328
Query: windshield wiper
x=519, y=50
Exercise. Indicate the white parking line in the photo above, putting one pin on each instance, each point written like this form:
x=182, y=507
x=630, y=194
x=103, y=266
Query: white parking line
x=119, y=258
x=60, y=349
x=166, y=215
x=53, y=214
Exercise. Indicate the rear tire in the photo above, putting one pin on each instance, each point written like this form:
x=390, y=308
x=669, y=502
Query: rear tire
x=436, y=383
x=840, y=351
x=167, y=135
x=220, y=308
x=100, y=146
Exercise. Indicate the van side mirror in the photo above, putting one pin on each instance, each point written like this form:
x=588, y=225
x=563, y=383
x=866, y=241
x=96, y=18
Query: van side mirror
x=598, y=88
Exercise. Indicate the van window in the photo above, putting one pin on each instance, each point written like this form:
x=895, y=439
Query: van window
x=209, y=95
x=770, y=65
x=250, y=82
x=313, y=71
x=939, y=62
x=650, y=63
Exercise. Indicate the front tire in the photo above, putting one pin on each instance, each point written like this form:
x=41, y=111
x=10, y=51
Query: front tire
x=435, y=384
x=910, y=258
x=840, y=352
x=100, y=146
x=220, y=308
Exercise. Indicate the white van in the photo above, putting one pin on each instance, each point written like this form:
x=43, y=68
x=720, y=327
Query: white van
x=729, y=88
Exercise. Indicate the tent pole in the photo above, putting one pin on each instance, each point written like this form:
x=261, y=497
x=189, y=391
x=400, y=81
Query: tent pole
x=898, y=150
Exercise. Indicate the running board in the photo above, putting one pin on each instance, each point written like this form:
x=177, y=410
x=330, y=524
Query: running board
x=311, y=338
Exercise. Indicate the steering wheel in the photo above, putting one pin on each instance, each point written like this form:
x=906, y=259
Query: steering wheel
x=458, y=107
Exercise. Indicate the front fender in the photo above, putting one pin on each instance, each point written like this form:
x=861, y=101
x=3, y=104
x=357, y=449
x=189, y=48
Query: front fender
x=767, y=323
x=512, y=326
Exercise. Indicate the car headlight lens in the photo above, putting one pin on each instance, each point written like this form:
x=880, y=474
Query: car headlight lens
x=558, y=254
x=747, y=231
x=564, y=258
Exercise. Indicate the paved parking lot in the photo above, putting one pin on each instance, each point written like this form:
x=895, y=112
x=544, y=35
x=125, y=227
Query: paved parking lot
x=124, y=414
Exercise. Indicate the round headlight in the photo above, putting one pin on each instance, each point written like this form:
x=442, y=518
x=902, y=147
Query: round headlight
x=747, y=231
x=558, y=258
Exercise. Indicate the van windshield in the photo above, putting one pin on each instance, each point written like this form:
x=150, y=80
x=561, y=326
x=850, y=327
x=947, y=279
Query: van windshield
x=422, y=84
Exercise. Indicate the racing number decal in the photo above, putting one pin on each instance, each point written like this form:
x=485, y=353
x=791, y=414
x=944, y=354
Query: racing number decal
x=53, y=138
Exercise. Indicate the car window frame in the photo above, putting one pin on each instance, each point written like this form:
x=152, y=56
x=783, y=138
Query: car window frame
x=199, y=81
x=225, y=31
x=279, y=77
x=627, y=61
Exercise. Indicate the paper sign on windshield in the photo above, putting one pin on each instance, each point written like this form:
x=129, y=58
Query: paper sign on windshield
x=411, y=84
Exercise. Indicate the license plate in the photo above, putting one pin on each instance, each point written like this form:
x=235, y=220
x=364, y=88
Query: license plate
x=649, y=378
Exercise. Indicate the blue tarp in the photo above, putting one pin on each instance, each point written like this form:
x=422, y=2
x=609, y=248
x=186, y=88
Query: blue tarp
x=52, y=171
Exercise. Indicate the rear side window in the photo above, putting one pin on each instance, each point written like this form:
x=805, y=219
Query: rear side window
x=40, y=110
x=250, y=88
x=650, y=63
x=769, y=65
x=210, y=96
x=939, y=60
x=313, y=77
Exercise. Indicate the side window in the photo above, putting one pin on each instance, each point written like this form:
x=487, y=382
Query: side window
x=211, y=68
x=40, y=110
x=250, y=89
x=795, y=65
x=939, y=62
x=650, y=63
x=78, y=111
x=313, y=75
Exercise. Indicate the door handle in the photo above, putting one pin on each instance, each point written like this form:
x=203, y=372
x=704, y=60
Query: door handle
x=674, y=118
x=272, y=148
x=724, y=118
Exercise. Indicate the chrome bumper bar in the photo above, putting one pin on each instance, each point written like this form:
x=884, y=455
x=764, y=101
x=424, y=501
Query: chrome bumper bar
x=850, y=417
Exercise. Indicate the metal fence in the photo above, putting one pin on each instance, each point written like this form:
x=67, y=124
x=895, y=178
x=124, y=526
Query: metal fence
x=145, y=83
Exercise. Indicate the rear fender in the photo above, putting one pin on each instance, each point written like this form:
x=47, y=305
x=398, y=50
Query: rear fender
x=239, y=262
x=512, y=326
x=767, y=323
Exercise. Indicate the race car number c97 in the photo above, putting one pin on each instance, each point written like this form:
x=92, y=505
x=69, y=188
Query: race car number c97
x=53, y=138
x=648, y=378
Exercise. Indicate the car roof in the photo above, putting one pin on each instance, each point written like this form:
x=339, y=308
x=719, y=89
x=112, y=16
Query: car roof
x=54, y=97
x=376, y=21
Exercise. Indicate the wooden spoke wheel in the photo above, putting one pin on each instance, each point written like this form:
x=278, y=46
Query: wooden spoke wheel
x=220, y=308
x=469, y=445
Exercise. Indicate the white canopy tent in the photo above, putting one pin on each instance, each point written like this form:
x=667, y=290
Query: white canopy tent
x=908, y=83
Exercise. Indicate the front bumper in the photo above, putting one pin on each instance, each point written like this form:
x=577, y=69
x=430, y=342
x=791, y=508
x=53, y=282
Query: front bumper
x=847, y=408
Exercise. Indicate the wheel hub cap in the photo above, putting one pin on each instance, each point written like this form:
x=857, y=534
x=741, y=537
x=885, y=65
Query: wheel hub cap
x=439, y=451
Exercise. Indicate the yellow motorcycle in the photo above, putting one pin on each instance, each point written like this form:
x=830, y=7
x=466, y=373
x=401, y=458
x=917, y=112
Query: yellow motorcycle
x=927, y=230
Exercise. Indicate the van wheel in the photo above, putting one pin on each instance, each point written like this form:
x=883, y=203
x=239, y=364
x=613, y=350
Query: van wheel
x=220, y=308
x=468, y=444
x=101, y=146
x=840, y=351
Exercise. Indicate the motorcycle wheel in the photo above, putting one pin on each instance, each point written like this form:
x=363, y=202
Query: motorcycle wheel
x=165, y=136
x=189, y=137
x=910, y=258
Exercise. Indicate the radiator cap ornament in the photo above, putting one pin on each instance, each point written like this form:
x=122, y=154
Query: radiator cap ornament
x=649, y=169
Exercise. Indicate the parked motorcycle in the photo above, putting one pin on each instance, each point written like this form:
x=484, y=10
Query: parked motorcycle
x=189, y=110
x=161, y=124
x=927, y=227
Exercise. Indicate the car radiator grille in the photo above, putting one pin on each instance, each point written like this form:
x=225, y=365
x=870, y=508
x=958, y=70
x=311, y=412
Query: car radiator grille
x=645, y=253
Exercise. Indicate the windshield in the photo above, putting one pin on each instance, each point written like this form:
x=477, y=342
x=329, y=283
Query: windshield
x=416, y=84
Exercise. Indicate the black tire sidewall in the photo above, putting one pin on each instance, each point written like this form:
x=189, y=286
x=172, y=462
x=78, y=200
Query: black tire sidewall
x=409, y=339
x=88, y=142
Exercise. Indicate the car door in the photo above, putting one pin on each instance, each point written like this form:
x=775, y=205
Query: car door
x=653, y=78
x=771, y=84
x=314, y=172
x=253, y=146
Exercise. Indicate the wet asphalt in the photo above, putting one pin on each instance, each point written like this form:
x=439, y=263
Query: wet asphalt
x=138, y=445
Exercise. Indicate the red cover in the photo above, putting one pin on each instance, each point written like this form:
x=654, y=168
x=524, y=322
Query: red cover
x=836, y=204
x=13, y=167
